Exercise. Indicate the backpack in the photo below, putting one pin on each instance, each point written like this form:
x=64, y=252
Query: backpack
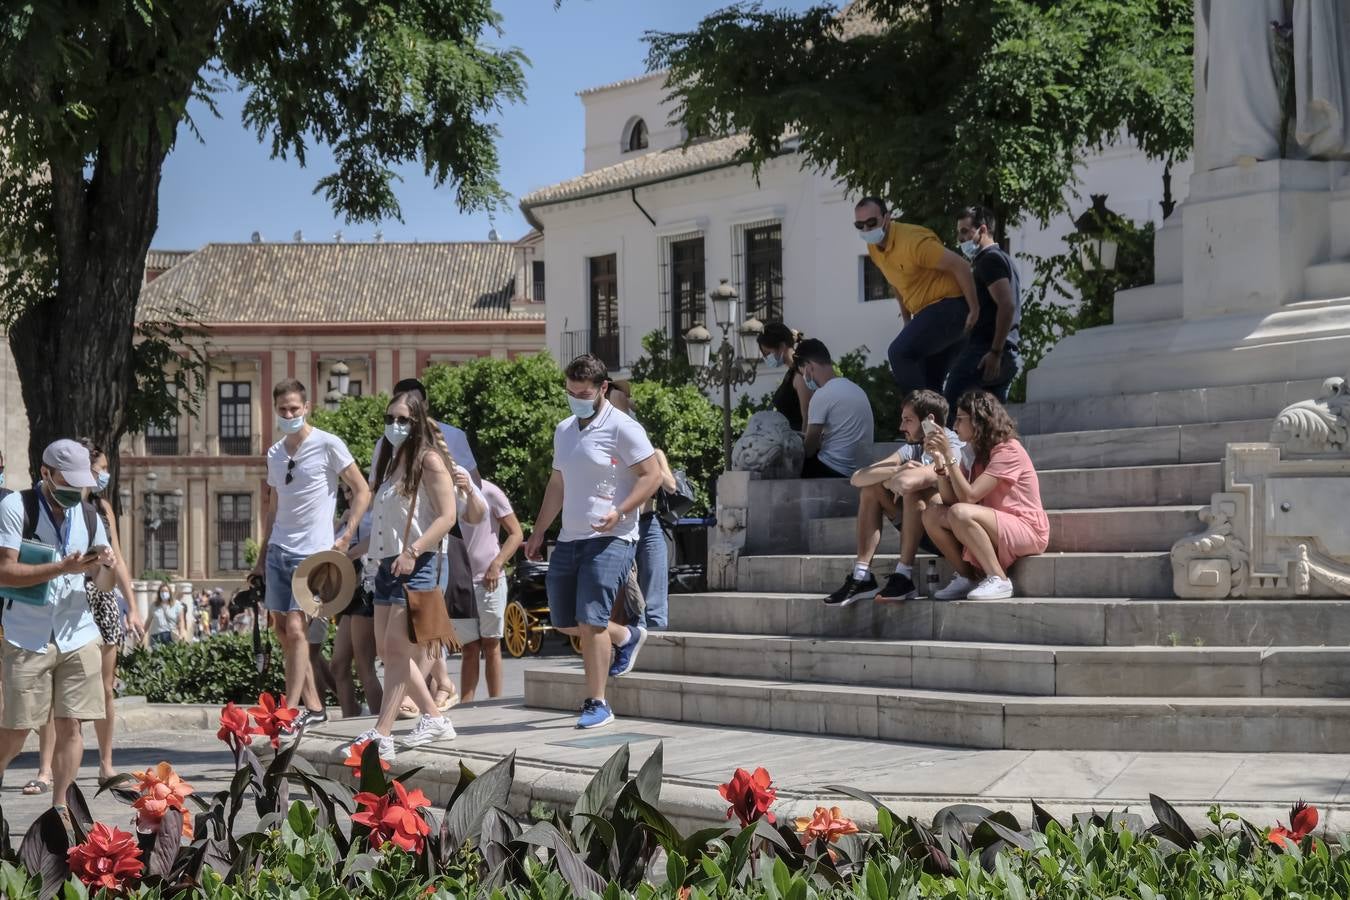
x=31, y=515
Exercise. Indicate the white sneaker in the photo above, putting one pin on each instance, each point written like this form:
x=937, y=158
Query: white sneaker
x=384, y=742
x=956, y=589
x=992, y=588
x=429, y=729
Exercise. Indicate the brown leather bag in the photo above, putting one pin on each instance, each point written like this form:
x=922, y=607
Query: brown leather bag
x=428, y=619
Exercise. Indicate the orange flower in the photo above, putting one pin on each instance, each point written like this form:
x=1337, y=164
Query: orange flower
x=353, y=760
x=273, y=717
x=165, y=775
x=830, y=824
x=234, y=727
x=394, y=818
x=1302, y=820
x=750, y=796
x=109, y=858
x=152, y=805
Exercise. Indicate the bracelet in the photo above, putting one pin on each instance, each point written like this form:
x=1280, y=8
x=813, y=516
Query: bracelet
x=411, y=551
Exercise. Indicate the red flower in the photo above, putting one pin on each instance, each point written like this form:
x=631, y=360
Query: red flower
x=1302, y=821
x=394, y=818
x=273, y=717
x=165, y=775
x=108, y=858
x=750, y=796
x=353, y=760
x=830, y=824
x=234, y=727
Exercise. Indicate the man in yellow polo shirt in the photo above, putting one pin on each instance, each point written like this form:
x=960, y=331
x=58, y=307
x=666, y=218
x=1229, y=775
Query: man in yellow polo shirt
x=937, y=295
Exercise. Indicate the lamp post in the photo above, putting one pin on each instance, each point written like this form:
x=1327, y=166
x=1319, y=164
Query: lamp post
x=1096, y=231
x=152, y=519
x=732, y=363
x=339, y=381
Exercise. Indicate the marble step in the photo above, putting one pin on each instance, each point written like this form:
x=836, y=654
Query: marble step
x=1327, y=281
x=1154, y=445
x=1115, y=574
x=1109, y=622
x=954, y=718
x=782, y=510
x=1184, y=407
x=1132, y=528
x=1004, y=668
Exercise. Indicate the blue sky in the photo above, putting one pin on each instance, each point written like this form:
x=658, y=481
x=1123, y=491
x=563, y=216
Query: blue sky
x=227, y=188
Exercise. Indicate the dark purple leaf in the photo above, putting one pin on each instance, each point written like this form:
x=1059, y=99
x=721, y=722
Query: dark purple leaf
x=1042, y=819
x=1179, y=832
x=43, y=852
x=1016, y=838
x=168, y=840
x=581, y=878
x=81, y=820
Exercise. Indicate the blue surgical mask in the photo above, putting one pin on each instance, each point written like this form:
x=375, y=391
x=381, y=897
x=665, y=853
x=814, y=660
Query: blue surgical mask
x=772, y=360
x=582, y=409
x=2, y=479
x=104, y=479
x=291, y=426
x=874, y=235
x=396, y=434
x=970, y=248
x=811, y=384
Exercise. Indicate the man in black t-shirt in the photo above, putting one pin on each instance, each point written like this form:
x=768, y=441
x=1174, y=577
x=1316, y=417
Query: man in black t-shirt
x=990, y=360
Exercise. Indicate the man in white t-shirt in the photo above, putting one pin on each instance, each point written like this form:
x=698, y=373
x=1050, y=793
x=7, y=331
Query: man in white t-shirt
x=839, y=420
x=303, y=471
x=604, y=469
x=482, y=636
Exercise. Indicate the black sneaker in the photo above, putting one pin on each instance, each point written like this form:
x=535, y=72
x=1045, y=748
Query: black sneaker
x=313, y=717
x=853, y=591
x=898, y=587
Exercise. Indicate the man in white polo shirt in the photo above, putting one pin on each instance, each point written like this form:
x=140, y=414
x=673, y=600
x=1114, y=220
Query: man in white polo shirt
x=51, y=659
x=604, y=469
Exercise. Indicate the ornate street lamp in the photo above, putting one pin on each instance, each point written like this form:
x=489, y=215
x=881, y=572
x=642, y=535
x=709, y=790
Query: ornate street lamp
x=339, y=381
x=726, y=367
x=1096, y=227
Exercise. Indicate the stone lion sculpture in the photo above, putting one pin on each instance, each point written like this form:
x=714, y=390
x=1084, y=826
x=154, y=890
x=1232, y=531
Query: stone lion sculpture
x=769, y=447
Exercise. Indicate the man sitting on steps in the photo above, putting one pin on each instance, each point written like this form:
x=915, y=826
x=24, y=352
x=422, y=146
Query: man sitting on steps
x=900, y=486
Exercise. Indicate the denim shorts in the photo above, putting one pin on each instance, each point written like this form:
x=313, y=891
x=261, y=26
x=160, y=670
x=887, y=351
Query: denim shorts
x=584, y=578
x=281, y=566
x=389, y=587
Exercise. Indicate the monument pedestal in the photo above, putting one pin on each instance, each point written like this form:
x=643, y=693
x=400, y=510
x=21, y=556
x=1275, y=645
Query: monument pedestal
x=1260, y=291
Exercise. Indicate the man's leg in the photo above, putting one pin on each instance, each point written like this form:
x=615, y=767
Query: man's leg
x=605, y=566
x=66, y=762
x=343, y=654
x=77, y=697
x=933, y=330
x=363, y=645
x=11, y=745
x=869, y=525
x=290, y=631
x=963, y=375
x=468, y=670
x=653, y=567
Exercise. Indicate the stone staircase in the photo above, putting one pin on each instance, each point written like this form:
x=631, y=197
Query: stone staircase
x=1093, y=654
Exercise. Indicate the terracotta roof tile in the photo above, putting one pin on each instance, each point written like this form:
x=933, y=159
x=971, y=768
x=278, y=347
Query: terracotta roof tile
x=376, y=282
x=623, y=82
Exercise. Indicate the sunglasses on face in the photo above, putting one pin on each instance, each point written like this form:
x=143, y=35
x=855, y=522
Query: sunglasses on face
x=290, y=470
x=867, y=224
x=397, y=420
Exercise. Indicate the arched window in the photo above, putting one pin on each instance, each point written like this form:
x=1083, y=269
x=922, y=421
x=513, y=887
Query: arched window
x=637, y=137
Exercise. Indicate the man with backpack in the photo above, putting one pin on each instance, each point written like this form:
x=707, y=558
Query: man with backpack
x=50, y=659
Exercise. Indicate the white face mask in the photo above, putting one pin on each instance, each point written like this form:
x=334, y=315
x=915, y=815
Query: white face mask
x=772, y=360
x=874, y=235
x=291, y=426
x=970, y=248
x=396, y=434
x=582, y=409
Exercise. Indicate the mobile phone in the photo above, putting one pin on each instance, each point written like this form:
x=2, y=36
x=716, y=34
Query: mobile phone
x=929, y=426
x=93, y=552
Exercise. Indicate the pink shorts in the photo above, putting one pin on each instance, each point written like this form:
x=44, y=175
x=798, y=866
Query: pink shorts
x=1016, y=538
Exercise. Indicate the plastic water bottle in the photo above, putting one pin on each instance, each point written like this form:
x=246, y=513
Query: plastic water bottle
x=932, y=578
x=605, y=492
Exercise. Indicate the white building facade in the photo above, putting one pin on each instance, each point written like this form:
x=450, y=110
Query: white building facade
x=636, y=241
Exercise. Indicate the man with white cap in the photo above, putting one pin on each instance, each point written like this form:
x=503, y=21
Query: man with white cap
x=50, y=655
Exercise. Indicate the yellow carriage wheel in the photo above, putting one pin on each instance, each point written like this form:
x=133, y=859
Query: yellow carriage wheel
x=517, y=629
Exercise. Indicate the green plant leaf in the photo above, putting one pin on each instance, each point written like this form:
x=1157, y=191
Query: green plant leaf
x=598, y=794
x=580, y=877
x=464, y=818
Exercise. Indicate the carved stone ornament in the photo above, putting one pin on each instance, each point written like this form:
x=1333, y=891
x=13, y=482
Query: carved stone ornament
x=769, y=447
x=1279, y=527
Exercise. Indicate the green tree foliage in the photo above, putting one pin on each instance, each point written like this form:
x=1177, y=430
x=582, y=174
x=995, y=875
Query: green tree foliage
x=359, y=421
x=92, y=96
x=662, y=362
x=688, y=427
x=509, y=408
x=939, y=103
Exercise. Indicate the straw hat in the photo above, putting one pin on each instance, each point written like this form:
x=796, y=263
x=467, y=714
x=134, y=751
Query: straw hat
x=324, y=583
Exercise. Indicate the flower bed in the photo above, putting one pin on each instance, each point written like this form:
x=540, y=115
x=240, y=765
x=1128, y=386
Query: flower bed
x=317, y=837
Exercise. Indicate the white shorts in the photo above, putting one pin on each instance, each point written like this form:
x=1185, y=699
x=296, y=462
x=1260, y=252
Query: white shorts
x=491, y=608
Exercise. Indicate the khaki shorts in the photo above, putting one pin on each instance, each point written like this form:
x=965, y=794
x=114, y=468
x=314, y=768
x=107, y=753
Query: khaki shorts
x=491, y=609
x=36, y=685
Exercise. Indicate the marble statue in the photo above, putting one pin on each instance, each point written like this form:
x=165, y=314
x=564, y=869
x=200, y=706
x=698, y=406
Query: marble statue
x=769, y=447
x=1240, y=74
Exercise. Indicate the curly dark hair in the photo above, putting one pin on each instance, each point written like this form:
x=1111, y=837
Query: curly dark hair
x=990, y=421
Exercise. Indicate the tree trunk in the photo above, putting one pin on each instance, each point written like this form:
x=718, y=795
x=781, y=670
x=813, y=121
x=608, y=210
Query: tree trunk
x=73, y=350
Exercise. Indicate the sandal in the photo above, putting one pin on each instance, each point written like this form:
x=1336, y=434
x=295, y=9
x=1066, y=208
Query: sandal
x=408, y=710
x=451, y=698
x=35, y=787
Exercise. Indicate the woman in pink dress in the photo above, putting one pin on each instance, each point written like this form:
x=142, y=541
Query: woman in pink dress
x=995, y=516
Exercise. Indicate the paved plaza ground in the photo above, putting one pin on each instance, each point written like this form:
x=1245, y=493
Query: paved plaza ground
x=554, y=761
